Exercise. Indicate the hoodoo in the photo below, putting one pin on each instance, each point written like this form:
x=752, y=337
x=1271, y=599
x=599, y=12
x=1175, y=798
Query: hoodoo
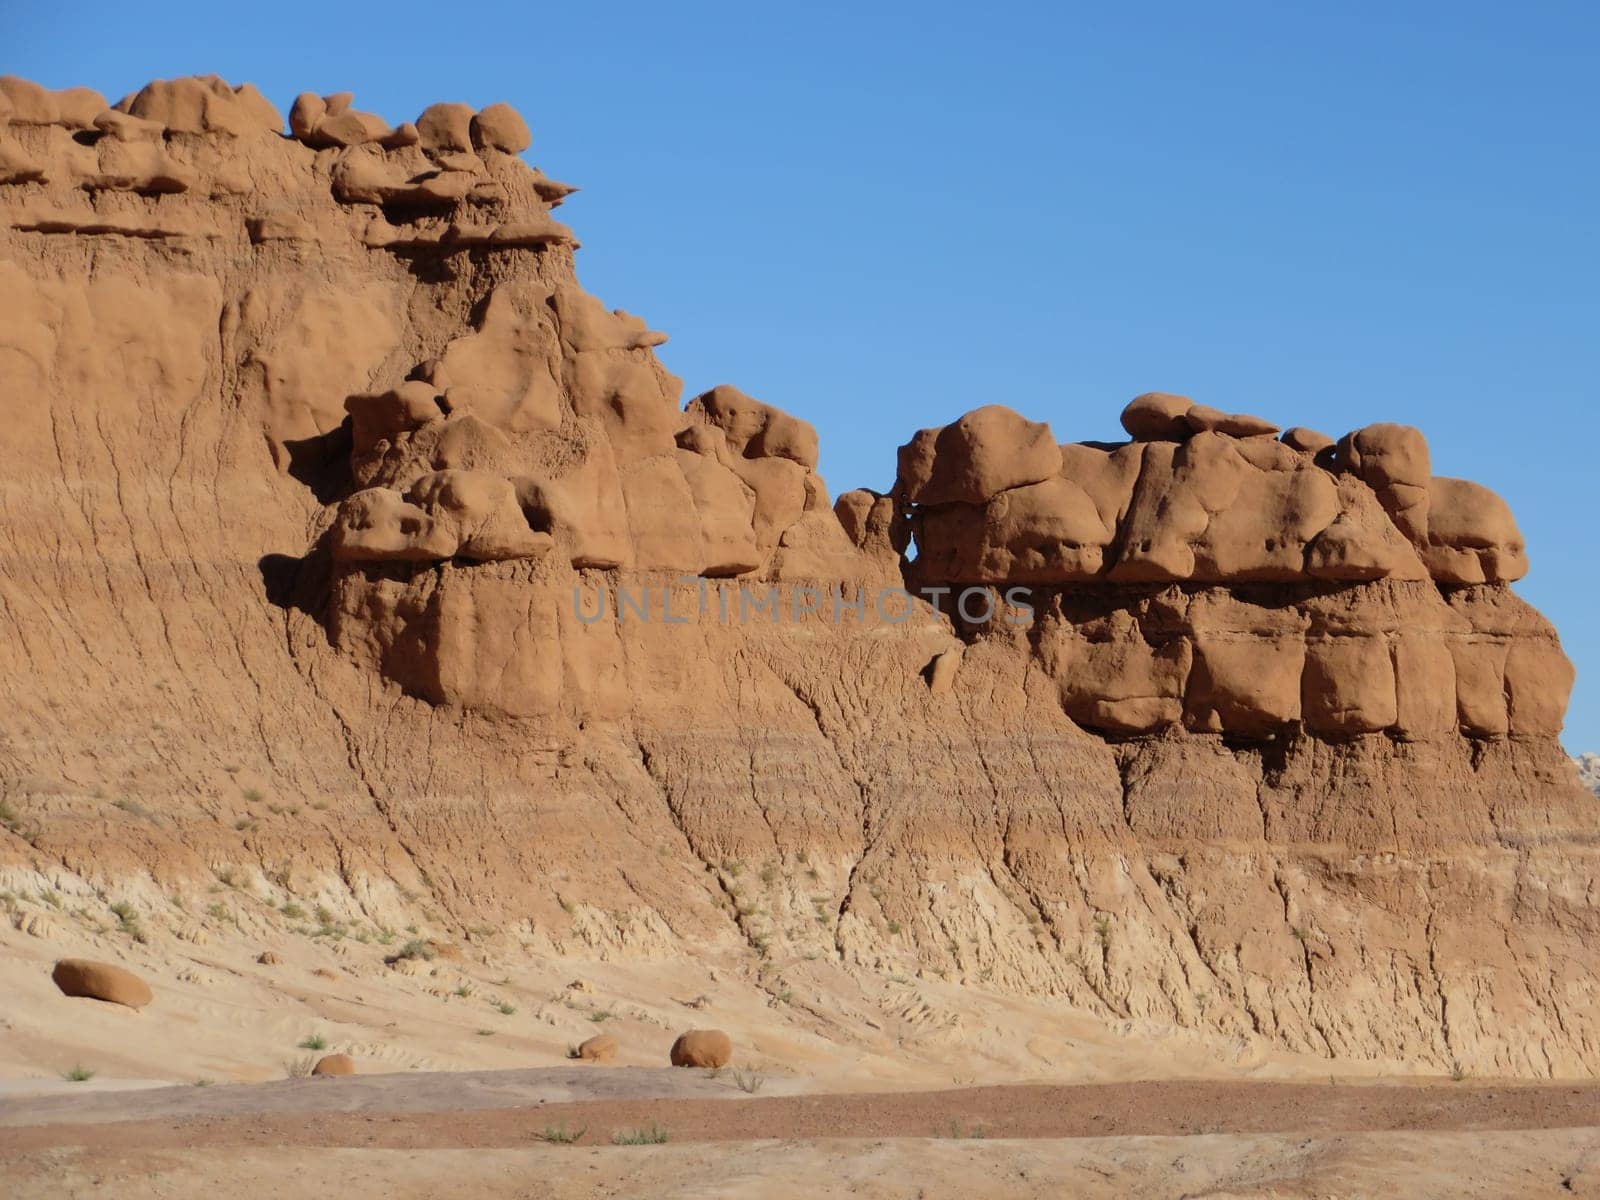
x=328, y=484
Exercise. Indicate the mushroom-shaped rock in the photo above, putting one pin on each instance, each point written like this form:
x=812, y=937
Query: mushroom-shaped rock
x=325, y=121
x=977, y=457
x=500, y=127
x=1393, y=461
x=26, y=103
x=601, y=1048
x=702, y=1048
x=204, y=105
x=1202, y=418
x=378, y=525
x=1308, y=441
x=101, y=981
x=481, y=512
x=1472, y=536
x=334, y=1064
x=1157, y=417
x=445, y=128
x=754, y=429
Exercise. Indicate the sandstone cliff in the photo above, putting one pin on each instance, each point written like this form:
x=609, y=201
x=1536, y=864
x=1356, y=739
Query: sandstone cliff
x=328, y=494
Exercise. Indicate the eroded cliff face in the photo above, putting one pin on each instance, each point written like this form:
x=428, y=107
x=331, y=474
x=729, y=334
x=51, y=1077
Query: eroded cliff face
x=327, y=491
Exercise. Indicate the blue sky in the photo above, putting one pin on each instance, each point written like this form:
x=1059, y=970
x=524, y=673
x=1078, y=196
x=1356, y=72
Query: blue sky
x=880, y=216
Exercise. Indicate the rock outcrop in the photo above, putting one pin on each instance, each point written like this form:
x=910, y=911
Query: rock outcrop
x=350, y=547
x=1209, y=576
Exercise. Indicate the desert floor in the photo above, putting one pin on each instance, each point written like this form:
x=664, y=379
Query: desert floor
x=858, y=1084
x=535, y=1133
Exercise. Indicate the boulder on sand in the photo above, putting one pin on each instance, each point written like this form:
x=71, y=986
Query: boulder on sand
x=702, y=1048
x=334, y=1064
x=101, y=981
x=601, y=1048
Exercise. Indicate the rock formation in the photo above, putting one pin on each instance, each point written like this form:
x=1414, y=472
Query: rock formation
x=352, y=549
x=1209, y=575
x=101, y=981
x=702, y=1048
x=334, y=1064
x=601, y=1048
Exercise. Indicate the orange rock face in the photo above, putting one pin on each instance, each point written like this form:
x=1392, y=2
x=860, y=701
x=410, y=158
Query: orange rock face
x=322, y=465
x=1242, y=586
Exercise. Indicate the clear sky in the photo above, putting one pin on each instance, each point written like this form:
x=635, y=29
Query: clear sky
x=878, y=216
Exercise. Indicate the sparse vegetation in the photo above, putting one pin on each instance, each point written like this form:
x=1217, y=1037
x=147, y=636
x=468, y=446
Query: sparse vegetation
x=128, y=921
x=655, y=1135
x=219, y=912
x=416, y=948
x=9, y=817
x=292, y=910
x=252, y=794
x=490, y=1033
x=299, y=1068
x=769, y=874
x=51, y=897
x=560, y=1135
x=464, y=990
x=506, y=1008
x=894, y=927
x=747, y=1080
x=204, y=1082
x=956, y=1131
x=78, y=1074
x=1299, y=933
x=1102, y=932
x=1458, y=1073
x=314, y=1041
x=600, y=1015
x=244, y=823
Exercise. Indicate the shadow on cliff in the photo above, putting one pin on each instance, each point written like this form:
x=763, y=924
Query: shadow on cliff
x=322, y=463
x=300, y=584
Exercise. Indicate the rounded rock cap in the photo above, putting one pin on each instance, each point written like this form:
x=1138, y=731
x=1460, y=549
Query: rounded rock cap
x=501, y=127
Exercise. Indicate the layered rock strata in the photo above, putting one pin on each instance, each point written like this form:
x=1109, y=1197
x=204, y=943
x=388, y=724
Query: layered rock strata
x=314, y=439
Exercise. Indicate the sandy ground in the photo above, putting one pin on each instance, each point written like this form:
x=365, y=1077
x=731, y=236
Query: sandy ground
x=487, y=1004
x=856, y=1085
x=1556, y=1163
x=474, y=1135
